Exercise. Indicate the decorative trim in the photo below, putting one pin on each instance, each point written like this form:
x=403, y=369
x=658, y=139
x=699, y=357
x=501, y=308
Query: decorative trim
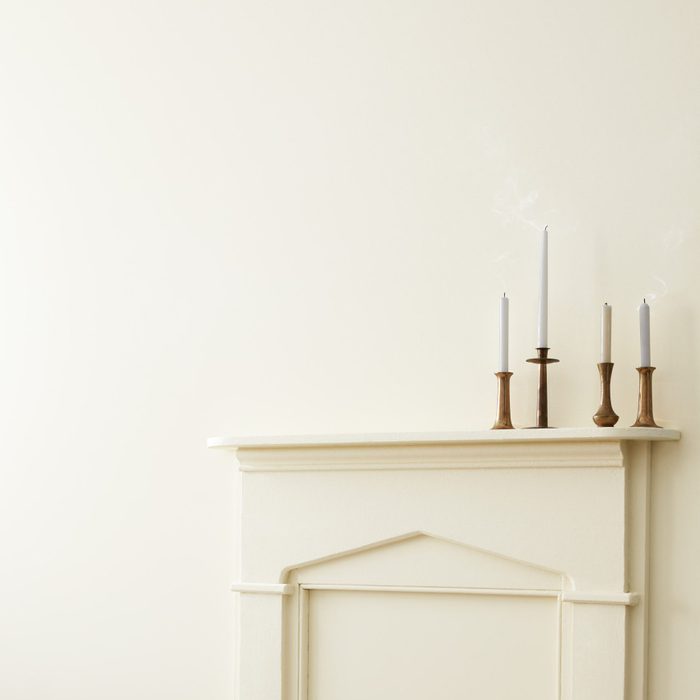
x=507, y=592
x=565, y=596
x=508, y=455
x=265, y=588
x=600, y=598
x=406, y=537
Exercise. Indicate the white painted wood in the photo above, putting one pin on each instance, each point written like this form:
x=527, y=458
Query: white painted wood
x=539, y=516
x=402, y=554
x=440, y=559
x=507, y=592
x=597, y=653
x=599, y=598
x=474, y=455
x=264, y=588
x=302, y=623
x=431, y=646
x=261, y=649
x=637, y=502
x=596, y=598
x=490, y=436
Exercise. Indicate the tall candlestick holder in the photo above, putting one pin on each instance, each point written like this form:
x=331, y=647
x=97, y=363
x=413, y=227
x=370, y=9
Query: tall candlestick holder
x=542, y=409
x=605, y=417
x=503, y=421
x=645, y=410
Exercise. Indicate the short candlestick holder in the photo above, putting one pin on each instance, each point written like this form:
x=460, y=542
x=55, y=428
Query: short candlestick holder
x=605, y=417
x=503, y=421
x=645, y=411
x=542, y=409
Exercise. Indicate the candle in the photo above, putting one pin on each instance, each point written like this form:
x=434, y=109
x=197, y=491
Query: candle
x=644, y=335
x=503, y=336
x=605, y=333
x=542, y=316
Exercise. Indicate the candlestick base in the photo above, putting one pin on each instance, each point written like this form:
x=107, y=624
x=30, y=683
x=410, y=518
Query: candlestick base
x=645, y=410
x=542, y=402
x=503, y=421
x=605, y=417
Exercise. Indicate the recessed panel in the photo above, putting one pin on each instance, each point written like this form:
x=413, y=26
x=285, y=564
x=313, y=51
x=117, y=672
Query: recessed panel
x=429, y=646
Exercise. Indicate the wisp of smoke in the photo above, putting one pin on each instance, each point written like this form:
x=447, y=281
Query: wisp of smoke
x=512, y=206
x=661, y=289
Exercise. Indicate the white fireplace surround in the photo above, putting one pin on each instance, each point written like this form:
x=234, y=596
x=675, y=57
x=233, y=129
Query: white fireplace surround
x=493, y=564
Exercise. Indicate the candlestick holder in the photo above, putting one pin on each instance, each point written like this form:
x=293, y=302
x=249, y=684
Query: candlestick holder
x=542, y=409
x=645, y=411
x=605, y=417
x=503, y=421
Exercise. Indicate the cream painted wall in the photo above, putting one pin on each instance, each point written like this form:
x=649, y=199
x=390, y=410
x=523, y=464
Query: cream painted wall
x=276, y=217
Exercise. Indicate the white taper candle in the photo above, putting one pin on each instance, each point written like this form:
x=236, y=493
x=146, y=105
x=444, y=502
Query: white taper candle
x=542, y=315
x=606, y=334
x=644, y=335
x=503, y=336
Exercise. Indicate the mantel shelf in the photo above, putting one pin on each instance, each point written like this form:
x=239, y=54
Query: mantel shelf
x=591, y=434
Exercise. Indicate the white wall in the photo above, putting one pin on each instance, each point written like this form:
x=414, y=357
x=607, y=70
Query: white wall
x=275, y=217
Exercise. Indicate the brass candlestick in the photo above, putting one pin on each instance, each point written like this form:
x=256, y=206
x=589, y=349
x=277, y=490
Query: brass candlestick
x=645, y=411
x=605, y=417
x=542, y=410
x=503, y=421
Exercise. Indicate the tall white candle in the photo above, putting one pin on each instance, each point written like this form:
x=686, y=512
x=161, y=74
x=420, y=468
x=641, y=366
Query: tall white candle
x=503, y=336
x=542, y=315
x=644, y=335
x=606, y=333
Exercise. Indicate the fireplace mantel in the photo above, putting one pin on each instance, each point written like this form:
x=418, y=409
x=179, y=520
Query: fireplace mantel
x=449, y=438
x=490, y=564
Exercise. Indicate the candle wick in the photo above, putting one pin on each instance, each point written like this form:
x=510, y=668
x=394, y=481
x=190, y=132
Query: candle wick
x=644, y=300
x=545, y=228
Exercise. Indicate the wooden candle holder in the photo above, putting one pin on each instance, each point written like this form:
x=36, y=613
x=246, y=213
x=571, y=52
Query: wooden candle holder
x=503, y=421
x=605, y=417
x=645, y=409
x=542, y=408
